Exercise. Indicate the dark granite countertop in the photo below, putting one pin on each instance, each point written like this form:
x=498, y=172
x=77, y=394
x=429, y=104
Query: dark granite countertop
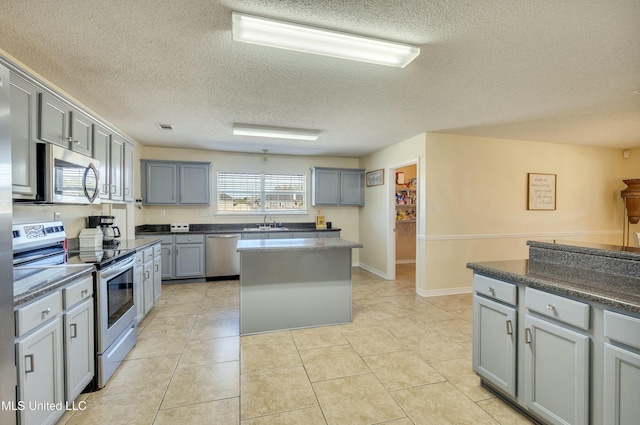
x=164, y=229
x=611, y=290
x=46, y=279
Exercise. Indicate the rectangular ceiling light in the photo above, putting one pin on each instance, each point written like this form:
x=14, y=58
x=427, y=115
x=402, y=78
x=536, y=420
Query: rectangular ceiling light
x=274, y=132
x=302, y=38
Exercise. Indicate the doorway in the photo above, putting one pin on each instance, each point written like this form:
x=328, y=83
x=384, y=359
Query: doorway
x=403, y=213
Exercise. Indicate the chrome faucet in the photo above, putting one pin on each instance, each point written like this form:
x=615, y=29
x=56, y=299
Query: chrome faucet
x=264, y=221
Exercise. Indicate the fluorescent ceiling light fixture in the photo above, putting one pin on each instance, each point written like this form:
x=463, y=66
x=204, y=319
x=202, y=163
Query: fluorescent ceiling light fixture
x=274, y=132
x=302, y=38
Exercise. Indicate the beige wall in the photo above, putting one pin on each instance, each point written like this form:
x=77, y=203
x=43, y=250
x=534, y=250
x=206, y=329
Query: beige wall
x=345, y=218
x=473, y=202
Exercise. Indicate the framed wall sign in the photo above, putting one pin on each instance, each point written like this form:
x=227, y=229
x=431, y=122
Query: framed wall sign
x=542, y=191
x=375, y=177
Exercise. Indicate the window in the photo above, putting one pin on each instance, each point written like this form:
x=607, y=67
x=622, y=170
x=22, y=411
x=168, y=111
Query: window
x=261, y=192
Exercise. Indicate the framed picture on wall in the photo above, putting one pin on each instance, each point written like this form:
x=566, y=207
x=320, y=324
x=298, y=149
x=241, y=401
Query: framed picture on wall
x=541, y=191
x=375, y=177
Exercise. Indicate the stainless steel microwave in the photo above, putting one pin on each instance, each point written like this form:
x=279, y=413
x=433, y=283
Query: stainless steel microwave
x=66, y=177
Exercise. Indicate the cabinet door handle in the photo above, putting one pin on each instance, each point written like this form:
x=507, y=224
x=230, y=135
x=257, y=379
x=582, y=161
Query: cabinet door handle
x=84, y=292
x=47, y=311
x=126, y=190
x=491, y=290
x=31, y=367
x=527, y=336
x=73, y=330
x=146, y=275
x=551, y=307
x=156, y=267
x=509, y=327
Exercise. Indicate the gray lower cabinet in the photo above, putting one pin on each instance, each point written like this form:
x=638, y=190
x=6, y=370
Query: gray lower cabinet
x=138, y=285
x=337, y=187
x=23, y=137
x=166, y=271
x=494, y=349
x=189, y=256
x=290, y=235
x=175, y=183
x=556, y=377
x=40, y=359
x=621, y=369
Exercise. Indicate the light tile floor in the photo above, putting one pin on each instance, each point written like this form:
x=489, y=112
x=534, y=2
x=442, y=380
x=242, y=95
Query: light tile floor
x=404, y=360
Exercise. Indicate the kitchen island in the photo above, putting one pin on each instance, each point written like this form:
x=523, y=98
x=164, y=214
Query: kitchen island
x=294, y=283
x=558, y=335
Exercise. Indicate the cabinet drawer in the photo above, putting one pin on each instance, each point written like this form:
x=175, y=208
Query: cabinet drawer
x=157, y=250
x=305, y=235
x=622, y=328
x=560, y=308
x=147, y=254
x=334, y=234
x=139, y=259
x=189, y=238
x=77, y=292
x=38, y=312
x=496, y=289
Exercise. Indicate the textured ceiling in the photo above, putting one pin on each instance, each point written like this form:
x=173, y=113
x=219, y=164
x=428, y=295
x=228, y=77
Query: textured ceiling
x=559, y=71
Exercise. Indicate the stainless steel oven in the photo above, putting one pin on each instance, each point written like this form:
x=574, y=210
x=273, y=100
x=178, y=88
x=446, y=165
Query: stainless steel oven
x=115, y=314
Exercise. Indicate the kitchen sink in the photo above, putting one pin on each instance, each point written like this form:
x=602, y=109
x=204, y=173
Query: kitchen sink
x=264, y=229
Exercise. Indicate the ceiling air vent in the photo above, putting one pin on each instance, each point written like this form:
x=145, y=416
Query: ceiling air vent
x=167, y=127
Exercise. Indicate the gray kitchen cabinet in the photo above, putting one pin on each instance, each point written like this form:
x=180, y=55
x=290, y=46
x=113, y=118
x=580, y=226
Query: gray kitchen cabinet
x=556, y=358
x=39, y=359
x=116, y=159
x=138, y=282
x=116, y=165
x=127, y=173
x=81, y=132
x=147, y=280
x=306, y=235
x=101, y=148
x=79, y=348
x=281, y=234
x=189, y=256
x=494, y=332
x=166, y=269
x=184, y=183
x=160, y=183
x=329, y=234
x=195, y=184
x=337, y=187
x=157, y=273
x=64, y=125
x=621, y=369
x=23, y=137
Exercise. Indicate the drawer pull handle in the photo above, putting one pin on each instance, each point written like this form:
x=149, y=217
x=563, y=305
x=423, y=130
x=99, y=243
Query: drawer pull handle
x=527, y=336
x=509, y=327
x=551, y=307
x=492, y=290
x=84, y=292
x=73, y=330
x=156, y=267
x=31, y=364
x=47, y=311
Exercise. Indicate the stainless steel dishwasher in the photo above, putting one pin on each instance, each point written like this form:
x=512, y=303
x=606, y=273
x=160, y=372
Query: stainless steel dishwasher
x=222, y=257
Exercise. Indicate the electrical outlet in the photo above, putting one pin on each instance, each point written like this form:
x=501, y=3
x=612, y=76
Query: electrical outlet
x=203, y=213
x=434, y=209
x=162, y=213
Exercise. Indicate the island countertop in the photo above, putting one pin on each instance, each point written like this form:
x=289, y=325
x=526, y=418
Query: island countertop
x=279, y=245
x=616, y=291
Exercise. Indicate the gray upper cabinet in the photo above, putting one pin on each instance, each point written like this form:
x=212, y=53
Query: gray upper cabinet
x=127, y=173
x=116, y=164
x=337, y=187
x=81, y=132
x=116, y=156
x=167, y=182
x=64, y=125
x=195, y=185
x=23, y=137
x=101, y=144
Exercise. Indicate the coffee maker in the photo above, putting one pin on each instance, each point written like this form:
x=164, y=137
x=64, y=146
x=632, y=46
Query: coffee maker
x=106, y=223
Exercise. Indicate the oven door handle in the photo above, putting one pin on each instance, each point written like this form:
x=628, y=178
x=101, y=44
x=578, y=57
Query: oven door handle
x=117, y=268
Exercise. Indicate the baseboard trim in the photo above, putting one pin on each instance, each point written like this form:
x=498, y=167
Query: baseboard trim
x=374, y=271
x=409, y=261
x=441, y=292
